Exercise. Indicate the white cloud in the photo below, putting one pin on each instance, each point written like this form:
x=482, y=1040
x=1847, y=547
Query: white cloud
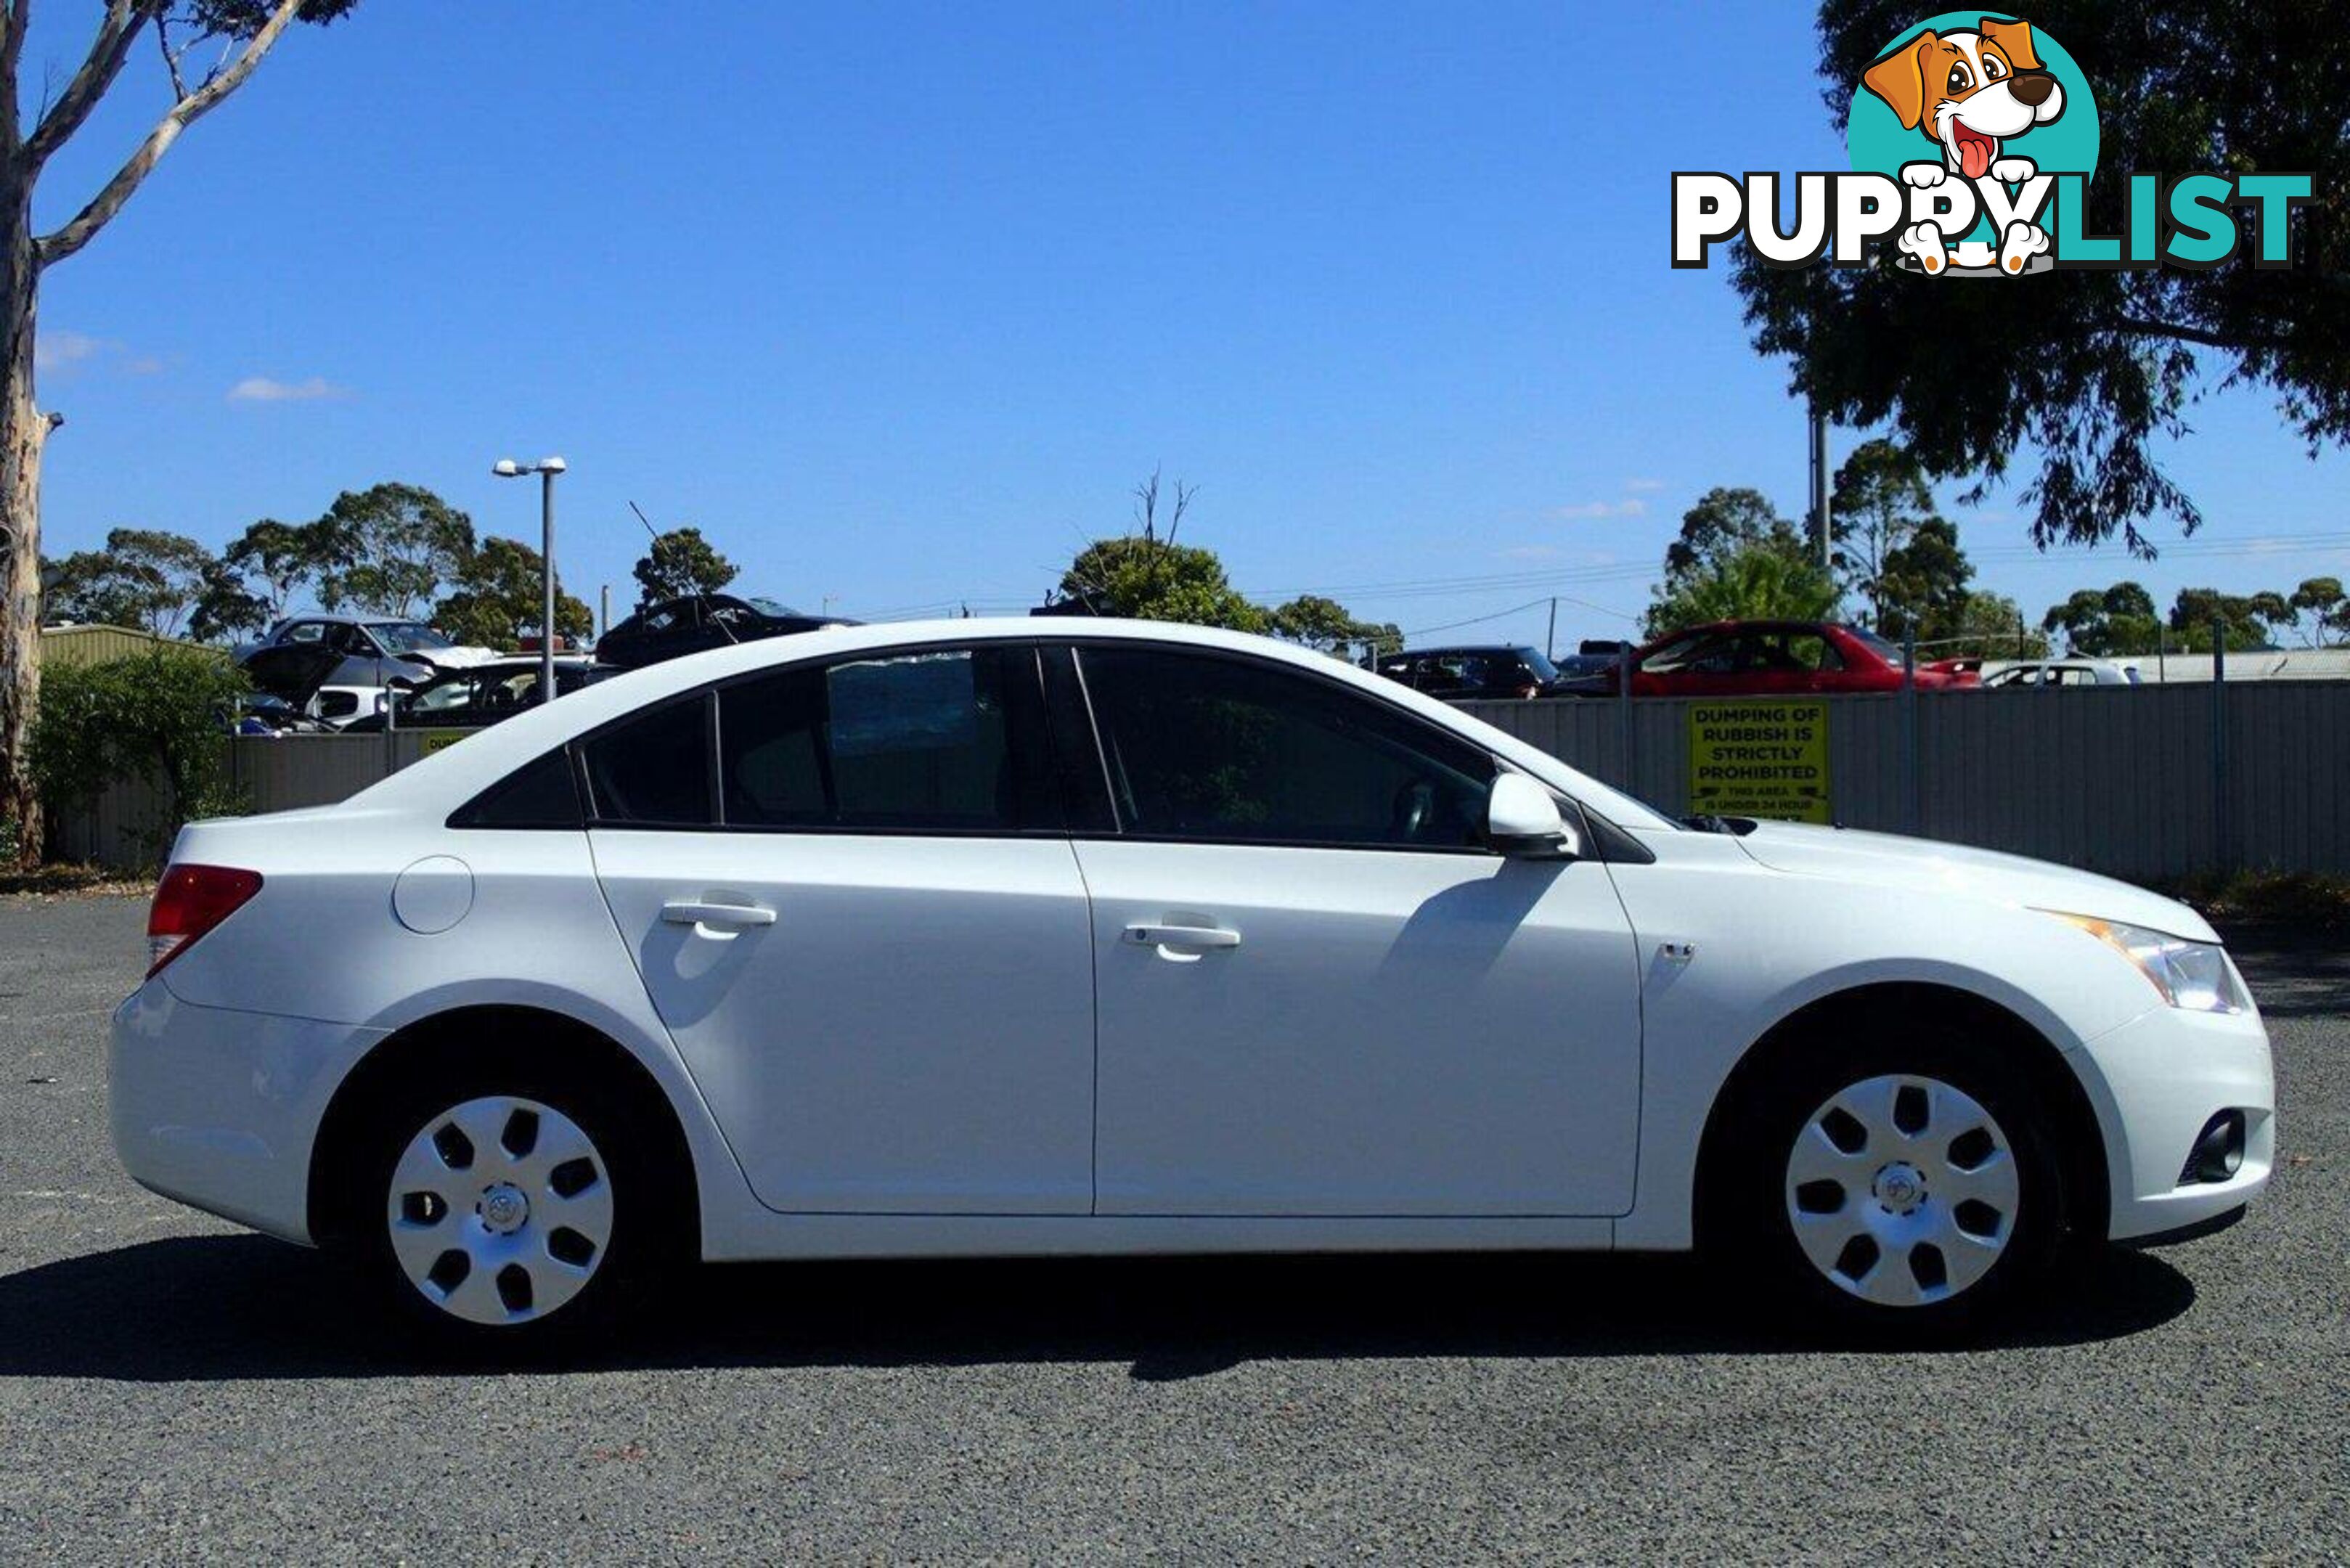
x=55, y=350
x=264, y=389
x=1644, y=485
x=1590, y=511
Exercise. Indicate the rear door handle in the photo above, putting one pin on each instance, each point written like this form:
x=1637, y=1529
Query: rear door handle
x=688, y=913
x=1197, y=938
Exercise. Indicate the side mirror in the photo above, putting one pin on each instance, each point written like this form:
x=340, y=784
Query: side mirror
x=1521, y=820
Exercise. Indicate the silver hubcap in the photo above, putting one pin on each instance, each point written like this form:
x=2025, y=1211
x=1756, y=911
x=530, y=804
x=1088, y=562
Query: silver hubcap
x=1902, y=1190
x=500, y=1210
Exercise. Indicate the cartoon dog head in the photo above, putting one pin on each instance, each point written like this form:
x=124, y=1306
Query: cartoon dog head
x=1968, y=90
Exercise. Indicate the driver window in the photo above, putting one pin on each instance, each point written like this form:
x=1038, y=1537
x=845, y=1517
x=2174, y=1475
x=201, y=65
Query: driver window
x=1722, y=656
x=1225, y=750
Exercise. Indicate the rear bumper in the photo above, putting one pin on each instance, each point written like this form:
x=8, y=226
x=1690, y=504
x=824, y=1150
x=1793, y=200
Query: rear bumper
x=218, y=1108
x=2155, y=1082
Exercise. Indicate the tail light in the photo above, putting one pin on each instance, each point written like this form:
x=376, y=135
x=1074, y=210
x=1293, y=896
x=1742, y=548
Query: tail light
x=190, y=902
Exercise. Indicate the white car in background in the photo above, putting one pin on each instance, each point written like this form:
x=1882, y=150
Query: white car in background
x=2047, y=672
x=1006, y=937
x=338, y=668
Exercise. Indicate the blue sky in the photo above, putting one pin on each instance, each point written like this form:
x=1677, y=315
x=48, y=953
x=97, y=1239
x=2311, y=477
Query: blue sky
x=897, y=302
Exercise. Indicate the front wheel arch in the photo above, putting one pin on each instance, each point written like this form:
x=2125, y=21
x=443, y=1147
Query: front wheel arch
x=2079, y=1140
x=559, y=1046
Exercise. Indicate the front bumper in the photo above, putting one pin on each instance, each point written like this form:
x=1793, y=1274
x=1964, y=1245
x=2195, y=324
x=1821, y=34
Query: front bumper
x=2155, y=1082
x=218, y=1108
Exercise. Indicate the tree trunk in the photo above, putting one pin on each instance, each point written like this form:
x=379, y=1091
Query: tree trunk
x=22, y=430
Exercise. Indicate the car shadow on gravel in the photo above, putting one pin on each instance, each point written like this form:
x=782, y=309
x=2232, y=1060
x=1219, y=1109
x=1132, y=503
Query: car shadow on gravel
x=234, y=1307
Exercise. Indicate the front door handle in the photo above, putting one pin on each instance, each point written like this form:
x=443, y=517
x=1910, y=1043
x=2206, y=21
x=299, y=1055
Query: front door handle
x=688, y=913
x=1197, y=939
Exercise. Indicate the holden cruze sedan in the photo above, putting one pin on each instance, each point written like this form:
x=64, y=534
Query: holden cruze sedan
x=1108, y=937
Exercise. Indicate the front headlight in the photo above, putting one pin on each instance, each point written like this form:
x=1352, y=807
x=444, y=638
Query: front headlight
x=2193, y=975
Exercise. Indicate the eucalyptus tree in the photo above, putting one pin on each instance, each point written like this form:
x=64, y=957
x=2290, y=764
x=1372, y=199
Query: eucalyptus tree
x=235, y=36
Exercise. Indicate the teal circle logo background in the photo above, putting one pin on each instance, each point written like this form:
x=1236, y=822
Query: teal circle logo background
x=2067, y=145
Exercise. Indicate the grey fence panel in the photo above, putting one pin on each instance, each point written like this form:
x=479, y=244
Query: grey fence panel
x=2118, y=780
x=1867, y=782
x=2289, y=752
x=121, y=828
x=283, y=772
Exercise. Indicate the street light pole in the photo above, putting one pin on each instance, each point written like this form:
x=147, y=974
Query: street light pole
x=546, y=583
x=547, y=468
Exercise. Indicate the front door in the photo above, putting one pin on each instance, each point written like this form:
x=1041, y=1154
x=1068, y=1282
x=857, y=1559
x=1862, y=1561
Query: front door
x=1318, y=993
x=851, y=900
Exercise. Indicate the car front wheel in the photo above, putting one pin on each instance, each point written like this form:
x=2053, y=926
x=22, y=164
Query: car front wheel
x=1897, y=1190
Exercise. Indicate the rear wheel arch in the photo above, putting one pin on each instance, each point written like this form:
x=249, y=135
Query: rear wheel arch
x=542, y=1043
x=2073, y=1124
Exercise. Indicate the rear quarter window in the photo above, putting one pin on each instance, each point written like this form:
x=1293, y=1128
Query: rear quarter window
x=539, y=795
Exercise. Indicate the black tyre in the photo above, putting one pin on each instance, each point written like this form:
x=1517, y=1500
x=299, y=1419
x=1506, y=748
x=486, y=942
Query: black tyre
x=503, y=1205
x=1904, y=1187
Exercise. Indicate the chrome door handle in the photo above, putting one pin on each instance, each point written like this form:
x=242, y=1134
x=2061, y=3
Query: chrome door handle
x=687, y=913
x=1143, y=934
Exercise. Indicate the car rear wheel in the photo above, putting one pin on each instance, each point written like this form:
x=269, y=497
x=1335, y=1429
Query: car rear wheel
x=1893, y=1188
x=499, y=1207
x=500, y=1210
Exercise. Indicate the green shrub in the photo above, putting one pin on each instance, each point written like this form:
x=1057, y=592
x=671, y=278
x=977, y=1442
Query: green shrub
x=158, y=716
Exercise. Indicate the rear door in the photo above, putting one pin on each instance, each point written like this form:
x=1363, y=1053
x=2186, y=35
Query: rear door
x=851, y=897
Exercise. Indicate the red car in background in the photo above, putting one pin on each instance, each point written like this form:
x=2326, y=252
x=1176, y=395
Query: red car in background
x=1770, y=659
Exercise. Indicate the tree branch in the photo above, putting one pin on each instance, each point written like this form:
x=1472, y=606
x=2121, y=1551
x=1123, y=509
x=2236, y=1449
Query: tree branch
x=85, y=225
x=99, y=69
x=2137, y=327
x=170, y=60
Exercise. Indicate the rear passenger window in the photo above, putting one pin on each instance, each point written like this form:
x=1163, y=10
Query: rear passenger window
x=949, y=741
x=653, y=769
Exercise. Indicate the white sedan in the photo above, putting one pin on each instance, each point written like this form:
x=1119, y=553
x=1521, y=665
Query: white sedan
x=1077, y=936
x=2050, y=673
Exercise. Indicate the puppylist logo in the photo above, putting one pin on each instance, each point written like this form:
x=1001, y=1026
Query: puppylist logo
x=1972, y=140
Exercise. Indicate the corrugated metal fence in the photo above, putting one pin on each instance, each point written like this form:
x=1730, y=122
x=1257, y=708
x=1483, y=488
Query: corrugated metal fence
x=268, y=773
x=2122, y=780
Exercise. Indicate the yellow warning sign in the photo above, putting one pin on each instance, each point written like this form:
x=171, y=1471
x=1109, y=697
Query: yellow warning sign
x=1759, y=759
x=439, y=740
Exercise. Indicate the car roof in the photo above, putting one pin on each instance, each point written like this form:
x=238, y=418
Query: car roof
x=1464, y=647
x=1758, y=626
x=441, y=783
x=517, y=664
x=347, y=618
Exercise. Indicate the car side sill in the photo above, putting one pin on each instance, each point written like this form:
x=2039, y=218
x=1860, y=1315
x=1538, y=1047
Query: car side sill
x=981, y=1236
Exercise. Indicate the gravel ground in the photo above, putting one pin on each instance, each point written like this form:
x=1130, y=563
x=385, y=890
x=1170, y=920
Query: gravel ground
x=173, y=1389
